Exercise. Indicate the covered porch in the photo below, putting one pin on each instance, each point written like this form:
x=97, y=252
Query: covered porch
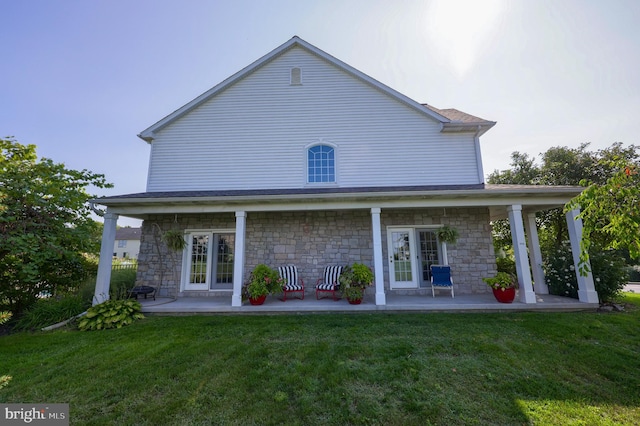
x=300, y=227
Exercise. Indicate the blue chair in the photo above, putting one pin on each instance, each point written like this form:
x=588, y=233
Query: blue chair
x=441, y=279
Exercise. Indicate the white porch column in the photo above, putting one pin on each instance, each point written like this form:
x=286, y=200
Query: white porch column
x=520, y=251
x=535, y=255
x=378, y=270
x=586, y=289
x=101, y=293
x=238, y=261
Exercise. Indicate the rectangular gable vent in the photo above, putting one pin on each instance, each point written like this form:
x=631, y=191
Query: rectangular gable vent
x=296, y=76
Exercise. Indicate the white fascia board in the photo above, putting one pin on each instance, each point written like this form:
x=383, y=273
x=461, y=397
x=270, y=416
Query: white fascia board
x=149, y=133
x=530, y=192
x=324, y=206
x=201, y=205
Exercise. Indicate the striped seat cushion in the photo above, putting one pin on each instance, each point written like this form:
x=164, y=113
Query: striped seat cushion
x=330, y=277
x=325, y=286
x=289, y=274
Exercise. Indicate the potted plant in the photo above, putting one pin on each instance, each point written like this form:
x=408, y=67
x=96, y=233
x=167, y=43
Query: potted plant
x=503, y=285
x=446, y=234
x=174, y=240
x=353, y=280
x=262, y=281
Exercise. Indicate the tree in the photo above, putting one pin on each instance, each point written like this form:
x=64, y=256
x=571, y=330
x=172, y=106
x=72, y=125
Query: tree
x=45, y=225
x=610, y=212
x=607, y=210
x=561, y=166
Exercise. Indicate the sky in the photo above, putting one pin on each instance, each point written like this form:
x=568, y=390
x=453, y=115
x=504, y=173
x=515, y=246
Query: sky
x=80, y=79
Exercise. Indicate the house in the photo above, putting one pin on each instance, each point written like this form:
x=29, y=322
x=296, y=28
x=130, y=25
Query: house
x=127, y=244
x=302, y=159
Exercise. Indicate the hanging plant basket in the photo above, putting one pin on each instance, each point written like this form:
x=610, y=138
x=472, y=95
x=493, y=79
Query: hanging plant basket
x=447, y=234
x=174, y=240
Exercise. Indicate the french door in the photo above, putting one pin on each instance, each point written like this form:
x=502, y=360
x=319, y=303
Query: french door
x=412, y=251
x=208, y=261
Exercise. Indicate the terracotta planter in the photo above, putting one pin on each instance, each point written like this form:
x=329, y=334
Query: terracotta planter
x=258, y=300
x=505, y=296
x=355, y=301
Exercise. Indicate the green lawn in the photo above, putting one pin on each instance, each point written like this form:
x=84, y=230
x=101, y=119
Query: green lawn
x=387, y=369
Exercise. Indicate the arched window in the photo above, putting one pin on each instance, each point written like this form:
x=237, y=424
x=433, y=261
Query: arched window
x=321, y=164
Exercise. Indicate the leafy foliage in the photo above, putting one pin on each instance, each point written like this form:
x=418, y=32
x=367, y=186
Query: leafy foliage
x=122, y=281
x=609, y=270
x=354, y=279
x=45, y=225
x=559, y=166
x=263, y=280
x=174, y=240
x=447, y=234
x=506, y=264
x=111, y=314
x=610, y=212
x=502, y=280
x=50, y=311
x=5, y=316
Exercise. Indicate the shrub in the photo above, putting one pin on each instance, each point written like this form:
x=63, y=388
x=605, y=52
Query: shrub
x=111, y=314
x=609, y=273
x=51, y=311
x=506, y=264
x=122, y=281
x=607, y=266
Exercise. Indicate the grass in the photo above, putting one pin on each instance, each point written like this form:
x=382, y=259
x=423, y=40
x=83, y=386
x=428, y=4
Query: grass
x=387, y=369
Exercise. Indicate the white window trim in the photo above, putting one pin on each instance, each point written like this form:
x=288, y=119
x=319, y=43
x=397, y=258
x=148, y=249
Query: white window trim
x=336, y=163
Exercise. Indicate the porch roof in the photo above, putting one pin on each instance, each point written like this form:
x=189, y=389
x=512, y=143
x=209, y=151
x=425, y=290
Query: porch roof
x=495, y=197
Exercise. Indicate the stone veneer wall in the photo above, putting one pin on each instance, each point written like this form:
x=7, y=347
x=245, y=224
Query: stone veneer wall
x=312, y=240
x=471, y=258
x=150, y=262
x=309, y=240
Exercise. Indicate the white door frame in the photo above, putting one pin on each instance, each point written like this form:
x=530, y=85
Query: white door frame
x=412, y=281
x=185, y=285
x=186, y=262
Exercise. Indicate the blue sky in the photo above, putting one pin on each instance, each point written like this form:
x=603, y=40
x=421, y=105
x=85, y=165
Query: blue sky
x=80, y=79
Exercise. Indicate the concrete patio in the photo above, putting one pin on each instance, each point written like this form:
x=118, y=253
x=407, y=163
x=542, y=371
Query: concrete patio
x=395, y=303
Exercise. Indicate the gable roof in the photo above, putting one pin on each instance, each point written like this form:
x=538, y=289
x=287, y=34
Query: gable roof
x=461, y=120
x=128, y=233
x=438, y=115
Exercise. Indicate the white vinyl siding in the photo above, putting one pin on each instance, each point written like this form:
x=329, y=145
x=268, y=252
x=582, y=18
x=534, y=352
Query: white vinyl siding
x=252, y=135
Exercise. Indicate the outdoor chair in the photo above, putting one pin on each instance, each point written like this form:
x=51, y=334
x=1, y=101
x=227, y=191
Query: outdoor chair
x=144, y=290
x=329, y=283
x=292, y=283
x=441, y=279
